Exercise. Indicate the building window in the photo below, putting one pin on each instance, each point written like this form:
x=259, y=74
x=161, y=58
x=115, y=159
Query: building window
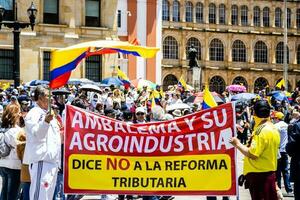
x=256, y=16
x=260, y=52
x=298, y=18
x=217, y=84
x=278, y=17
x=170, y=48
x=212, y=13
x=197, y=45
x=234, y=15
x=119, y=18
x=238, y=51
x=170, y=79
x=176, y=11
x=244, y=15
x=46, y=65
x=165, y=10
x=6, y=64
x=216, y=50
x=239, y=80
x=222, y=14
x=8, y=6
x=280, y=53
x=92, y=13
x=189, y=12
x=266, y=17
x=289, y=17
x=260, y=83
x=51, y=12
x=93, y=69
x=199, y=12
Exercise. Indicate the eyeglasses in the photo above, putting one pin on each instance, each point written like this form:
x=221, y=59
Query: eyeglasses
x=140, y=113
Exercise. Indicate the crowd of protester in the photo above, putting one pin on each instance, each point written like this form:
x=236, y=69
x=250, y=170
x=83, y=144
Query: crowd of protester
x=24, y=115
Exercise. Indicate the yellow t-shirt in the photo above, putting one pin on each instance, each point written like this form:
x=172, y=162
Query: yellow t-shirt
x=264, y=145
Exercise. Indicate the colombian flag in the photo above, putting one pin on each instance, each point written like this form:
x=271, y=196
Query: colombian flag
x=123, y=77
x=63, y=61
x=182, y=83
x=208, y=99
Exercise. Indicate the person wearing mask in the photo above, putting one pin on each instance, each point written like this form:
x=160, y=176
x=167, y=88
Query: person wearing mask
x=43, y=148
x=10, y=165
x=260, y=161
x=283, y=163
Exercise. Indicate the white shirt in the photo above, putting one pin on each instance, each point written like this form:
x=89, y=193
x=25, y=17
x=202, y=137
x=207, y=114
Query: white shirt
x=43, y=139
x=11, y=161
x=282, y=128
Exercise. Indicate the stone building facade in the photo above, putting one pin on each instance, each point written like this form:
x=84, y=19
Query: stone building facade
x=238, y=41
x=59, y=23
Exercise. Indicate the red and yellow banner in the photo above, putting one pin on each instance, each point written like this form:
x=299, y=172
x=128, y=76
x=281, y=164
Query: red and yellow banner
x=184, y=156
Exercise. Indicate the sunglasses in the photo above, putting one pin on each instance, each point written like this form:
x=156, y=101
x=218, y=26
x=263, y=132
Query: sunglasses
x=140, y=113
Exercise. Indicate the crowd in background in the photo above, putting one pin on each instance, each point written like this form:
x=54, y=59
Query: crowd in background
x=134, y=105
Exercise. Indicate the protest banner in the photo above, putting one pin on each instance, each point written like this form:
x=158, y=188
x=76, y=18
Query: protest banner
x=190, y=155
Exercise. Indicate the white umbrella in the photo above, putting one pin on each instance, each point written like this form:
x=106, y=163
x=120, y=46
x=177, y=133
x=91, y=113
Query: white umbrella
x=90, y=87
x=176, y=106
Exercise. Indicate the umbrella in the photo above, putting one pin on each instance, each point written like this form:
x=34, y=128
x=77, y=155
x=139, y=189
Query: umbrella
x=176, y=106
x=112, y=81
x=236, y=88
x=280, y=96
x=77, y=81
x=140, y=83
x=36, y=82
x=62, y=91
x=90, y=87
x=243, y=96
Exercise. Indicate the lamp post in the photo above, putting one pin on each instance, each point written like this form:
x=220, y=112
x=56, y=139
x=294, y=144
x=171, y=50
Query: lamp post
x=17, y=26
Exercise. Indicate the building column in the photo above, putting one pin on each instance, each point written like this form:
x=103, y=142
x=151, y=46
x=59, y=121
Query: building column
x=182, y=11
x=205, y=11
x=272, y=17
x=171, y=10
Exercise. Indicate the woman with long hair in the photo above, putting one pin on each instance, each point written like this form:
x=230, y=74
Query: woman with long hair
x=10, y=165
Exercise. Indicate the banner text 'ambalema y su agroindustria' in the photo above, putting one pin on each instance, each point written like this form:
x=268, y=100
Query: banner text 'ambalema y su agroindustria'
x=184, y=156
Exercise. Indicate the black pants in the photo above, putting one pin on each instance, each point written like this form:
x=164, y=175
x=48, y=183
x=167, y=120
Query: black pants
x=10, y=183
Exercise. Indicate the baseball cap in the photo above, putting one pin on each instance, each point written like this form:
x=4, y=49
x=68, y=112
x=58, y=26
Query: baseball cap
x=140, y=109
x=279, y=115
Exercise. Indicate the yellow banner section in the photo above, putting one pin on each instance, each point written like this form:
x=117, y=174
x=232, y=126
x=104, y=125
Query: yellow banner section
x=166, y=173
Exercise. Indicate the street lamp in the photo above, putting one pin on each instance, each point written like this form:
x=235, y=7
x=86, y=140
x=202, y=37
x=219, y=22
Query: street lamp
x=17, y=26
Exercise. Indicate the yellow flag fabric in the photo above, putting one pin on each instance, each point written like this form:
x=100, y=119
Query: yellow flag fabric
x=182, y=83
x=280, y=84
x=121, y=74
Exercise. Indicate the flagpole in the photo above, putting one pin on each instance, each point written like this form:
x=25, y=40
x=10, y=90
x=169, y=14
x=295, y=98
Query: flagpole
x=49, y=100
x=285, y=65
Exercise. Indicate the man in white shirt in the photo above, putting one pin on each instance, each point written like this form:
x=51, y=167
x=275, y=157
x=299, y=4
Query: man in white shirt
x=42, y=152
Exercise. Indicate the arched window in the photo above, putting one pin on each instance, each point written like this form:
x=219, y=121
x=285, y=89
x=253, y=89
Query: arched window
x=222, y=14
x=266, y=17
x=197, y=45
x=260, y=52
x=216, y=50
x=170, y=79
x=176, y=11
x=298, y=18
x=217, y=84
x=239, y=80
x=289, y=17
x=280, y=53
x=298, y=55
x=278, y=17
x=189, y=12
x=238, y=51
x=234, y=15
x=170, y=48
x=261, y=83
x=165, y=10
x=212, y=13
x=199, y=12
x=244, y=15
x=256, y=16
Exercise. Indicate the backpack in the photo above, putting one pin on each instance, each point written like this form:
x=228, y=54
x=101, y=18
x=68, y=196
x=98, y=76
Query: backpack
x=4, y=147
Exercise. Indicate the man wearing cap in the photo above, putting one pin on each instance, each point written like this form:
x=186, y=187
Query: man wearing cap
x=140, y=114
x=282, y=166
x=260, y=161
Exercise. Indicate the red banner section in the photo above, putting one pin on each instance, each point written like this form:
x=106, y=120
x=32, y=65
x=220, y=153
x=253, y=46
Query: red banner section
x=184, y=156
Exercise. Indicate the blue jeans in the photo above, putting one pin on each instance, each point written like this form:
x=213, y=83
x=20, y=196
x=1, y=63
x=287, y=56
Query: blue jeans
x=24, y=191
x=283, y=168
x=10, y=183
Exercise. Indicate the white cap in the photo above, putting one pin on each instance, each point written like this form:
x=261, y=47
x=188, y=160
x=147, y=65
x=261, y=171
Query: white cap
x=140, y=109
